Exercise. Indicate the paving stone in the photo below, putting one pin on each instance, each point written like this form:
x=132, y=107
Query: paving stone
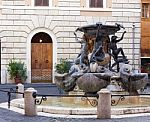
x=7, y=115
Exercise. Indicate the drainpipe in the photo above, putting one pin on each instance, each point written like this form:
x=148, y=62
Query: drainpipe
x=133, y=47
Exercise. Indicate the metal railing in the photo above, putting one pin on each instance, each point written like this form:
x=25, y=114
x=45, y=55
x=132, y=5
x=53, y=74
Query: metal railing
x=39, y=98
x=122, y=98
x=10, y=92
x=92, y=102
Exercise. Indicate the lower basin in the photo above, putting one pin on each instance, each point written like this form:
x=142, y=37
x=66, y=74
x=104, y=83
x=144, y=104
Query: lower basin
x=82, y=106
x=72, y=102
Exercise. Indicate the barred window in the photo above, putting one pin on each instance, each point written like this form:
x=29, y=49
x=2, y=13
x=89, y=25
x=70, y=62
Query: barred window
x=41, y=3
x=96, y=3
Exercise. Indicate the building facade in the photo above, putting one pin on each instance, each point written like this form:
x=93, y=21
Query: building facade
x=145, y=36
x=40, y=32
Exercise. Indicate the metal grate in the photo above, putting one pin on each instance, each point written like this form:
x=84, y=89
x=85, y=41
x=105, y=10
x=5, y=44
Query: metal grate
x=45, y=74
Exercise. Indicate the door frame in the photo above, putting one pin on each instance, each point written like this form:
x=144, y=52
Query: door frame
x=28, y=56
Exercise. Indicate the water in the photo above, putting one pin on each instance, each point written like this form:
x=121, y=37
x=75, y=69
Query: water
x=78, y=102
x=73, y=102
x=133, y=102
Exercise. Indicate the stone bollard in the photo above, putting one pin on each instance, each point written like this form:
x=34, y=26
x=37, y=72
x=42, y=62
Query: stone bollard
x=19, y=88
x=29, y=102
x=104, y=104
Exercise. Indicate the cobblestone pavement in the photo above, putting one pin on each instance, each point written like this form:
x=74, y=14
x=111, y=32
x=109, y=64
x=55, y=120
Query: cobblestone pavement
x=10, y=116
x=7, y=115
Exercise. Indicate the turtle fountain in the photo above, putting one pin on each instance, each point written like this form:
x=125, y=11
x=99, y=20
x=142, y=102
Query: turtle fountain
x=99, y=64
x=92, y=70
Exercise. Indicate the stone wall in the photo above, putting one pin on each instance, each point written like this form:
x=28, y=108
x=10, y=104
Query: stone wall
x=13, y=2
x=69, y=3
x=18, y=21
x=129, y=16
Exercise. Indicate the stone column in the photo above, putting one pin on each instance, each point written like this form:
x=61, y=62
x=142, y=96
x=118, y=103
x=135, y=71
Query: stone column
x=20, y=88
x=104, y=104
x=29, y=102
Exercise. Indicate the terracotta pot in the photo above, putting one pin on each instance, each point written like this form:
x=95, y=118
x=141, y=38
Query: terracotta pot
x=18, y=80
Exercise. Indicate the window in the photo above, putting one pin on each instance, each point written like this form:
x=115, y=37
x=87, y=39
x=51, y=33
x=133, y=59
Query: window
x=145, y=10
x=41, y=3
x=96, y=3
x=145, y=65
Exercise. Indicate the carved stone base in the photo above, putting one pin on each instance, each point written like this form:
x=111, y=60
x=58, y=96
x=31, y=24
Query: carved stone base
x=89, y=83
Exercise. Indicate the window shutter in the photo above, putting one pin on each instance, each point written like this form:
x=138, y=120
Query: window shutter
x=41, y=2
x=100, y=3
x=92, y=3
x=96, y=3
x=37, y=2
x=45, y=2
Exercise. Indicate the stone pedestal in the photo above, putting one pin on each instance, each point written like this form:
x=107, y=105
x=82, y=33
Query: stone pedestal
x=3, y=76
x=104, y=104
x=29, y=102
x=20, y=89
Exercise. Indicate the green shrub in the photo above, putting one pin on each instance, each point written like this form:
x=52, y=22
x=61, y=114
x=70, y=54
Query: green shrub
x=17, y=69
x=63, y=66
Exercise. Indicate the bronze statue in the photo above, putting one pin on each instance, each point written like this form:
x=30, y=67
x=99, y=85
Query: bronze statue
x=113, y=46
x=92, y=69
x=82, y=58
x=98, y=53
x=116, y=51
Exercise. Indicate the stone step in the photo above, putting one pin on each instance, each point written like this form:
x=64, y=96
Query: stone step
x=27, y=85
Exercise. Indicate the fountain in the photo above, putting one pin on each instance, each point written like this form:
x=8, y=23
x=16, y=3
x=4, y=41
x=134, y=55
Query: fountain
x=92, y=69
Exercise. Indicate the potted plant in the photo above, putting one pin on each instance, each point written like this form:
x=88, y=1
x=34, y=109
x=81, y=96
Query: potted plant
x=17, y=71
x=62, y=78
x=146, y=68
x=63, y=66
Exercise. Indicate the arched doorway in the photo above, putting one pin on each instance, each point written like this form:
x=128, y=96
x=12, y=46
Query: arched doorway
x=41, y=58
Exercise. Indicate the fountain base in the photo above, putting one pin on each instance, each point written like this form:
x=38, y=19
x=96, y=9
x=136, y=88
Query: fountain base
x=75, y=106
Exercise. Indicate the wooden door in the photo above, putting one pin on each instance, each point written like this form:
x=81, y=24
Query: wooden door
x=41, y=62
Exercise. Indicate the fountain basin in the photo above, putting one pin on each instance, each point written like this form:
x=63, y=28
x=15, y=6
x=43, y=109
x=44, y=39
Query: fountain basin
x=93, y=82
x=74, y=106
